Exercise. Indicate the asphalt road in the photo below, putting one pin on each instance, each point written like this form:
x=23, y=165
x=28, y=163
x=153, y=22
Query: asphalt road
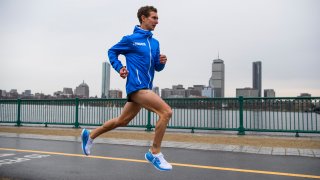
x=39, y=159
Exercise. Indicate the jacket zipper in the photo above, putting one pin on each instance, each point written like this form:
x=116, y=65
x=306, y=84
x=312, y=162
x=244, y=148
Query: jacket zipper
x=150, y=62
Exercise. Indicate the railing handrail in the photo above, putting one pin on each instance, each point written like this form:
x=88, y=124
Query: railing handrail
x=236, y=113
x=195, y=98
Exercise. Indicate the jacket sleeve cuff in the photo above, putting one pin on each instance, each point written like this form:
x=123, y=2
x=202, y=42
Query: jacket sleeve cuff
x=118, y=69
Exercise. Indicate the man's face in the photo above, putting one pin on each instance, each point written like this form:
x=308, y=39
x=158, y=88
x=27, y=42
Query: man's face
x=149, y=23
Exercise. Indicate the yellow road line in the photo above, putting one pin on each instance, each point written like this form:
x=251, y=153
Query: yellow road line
x=174, y=164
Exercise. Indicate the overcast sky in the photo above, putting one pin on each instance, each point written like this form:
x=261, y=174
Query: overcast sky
x=46, y=45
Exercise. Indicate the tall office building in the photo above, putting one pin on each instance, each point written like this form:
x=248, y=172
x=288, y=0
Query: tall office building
x=27, y=93
x=166, y=93
x=82, y=90
x=68, y=91
x=257, y=77
x=269, y=93
x=105, y=80
x=178, y=91
x=217, y=78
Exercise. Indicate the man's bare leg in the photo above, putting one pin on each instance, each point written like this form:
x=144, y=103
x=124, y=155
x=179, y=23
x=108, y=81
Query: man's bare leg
x=151, y=101
x=130, y=110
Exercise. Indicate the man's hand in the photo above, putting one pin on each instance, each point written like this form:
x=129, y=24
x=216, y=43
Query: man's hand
x=124, y=72
x=163, y=59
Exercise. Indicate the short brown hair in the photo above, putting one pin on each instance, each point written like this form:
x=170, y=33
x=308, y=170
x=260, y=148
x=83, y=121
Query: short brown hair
x=145, y=11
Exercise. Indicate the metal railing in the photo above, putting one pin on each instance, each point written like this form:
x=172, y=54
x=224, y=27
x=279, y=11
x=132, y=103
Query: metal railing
x=285, y=114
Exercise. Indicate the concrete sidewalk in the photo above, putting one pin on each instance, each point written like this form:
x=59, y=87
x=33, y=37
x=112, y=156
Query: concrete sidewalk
x=258, y=144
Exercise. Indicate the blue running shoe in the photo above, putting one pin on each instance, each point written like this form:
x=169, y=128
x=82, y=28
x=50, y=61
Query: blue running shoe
x=158, y=161
x=86, y=143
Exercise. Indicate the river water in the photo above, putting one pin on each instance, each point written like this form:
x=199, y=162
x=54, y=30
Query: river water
x=182, y=118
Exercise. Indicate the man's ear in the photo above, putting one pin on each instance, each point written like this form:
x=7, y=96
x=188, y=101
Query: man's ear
x=143, y=17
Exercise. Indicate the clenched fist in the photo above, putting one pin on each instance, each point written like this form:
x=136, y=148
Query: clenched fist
x=163, y=59
x=124, y=72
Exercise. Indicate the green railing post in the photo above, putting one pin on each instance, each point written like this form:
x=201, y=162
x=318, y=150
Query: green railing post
x=76, y=124
x=241, y=129
x=19, y=113
x=149, y=127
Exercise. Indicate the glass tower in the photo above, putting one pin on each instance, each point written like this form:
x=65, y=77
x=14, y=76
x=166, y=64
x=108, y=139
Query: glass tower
x=105, y=80
x=257, y=77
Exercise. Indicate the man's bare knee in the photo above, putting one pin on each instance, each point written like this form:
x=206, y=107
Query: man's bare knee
x=169, y=113
x=166, y=114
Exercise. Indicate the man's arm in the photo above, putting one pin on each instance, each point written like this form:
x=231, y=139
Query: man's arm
x=121, y=47
x=160, y=61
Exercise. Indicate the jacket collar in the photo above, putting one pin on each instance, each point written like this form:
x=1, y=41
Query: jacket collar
x=138, y=29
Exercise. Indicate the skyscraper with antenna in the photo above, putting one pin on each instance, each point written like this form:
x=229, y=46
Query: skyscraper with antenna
x=216, y=82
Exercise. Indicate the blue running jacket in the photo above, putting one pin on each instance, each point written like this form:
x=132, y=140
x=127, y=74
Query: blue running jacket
x=142, y=54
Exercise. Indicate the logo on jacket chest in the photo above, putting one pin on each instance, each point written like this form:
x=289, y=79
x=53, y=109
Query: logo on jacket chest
x=139, y=44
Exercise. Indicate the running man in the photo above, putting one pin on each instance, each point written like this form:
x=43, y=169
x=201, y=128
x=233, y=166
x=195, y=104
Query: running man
x=143, y=58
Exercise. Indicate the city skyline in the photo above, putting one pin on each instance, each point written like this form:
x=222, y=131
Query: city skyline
x=48, y=45
x=216, y=84
x=175, y=92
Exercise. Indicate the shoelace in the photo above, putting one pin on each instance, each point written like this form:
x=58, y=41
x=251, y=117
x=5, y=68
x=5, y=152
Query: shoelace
x=160, y=159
